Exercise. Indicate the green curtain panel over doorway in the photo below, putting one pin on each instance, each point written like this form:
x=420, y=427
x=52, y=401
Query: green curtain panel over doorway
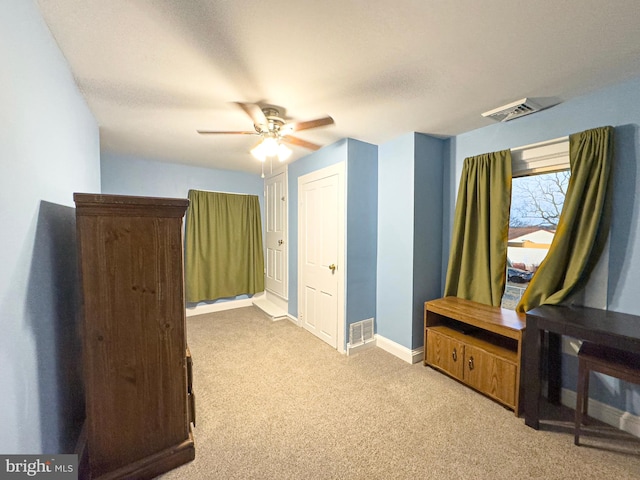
x=584, y=222
x=224, y=255
x=478, y=259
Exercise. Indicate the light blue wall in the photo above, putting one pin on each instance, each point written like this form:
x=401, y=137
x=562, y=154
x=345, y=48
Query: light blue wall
x=410, y=212
x=49, y=148
x=362, y=232
x=427, y=228
x=396, y=186
x=130, y=175
x=618, y=106
x=448, y=203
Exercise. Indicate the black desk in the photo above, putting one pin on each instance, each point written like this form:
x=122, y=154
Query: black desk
x=604, y=327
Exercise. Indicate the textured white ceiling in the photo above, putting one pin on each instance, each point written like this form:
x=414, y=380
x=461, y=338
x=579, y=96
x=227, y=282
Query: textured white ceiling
x=154, y=71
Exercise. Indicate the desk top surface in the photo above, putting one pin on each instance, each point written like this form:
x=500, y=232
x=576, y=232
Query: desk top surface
x=592, y=319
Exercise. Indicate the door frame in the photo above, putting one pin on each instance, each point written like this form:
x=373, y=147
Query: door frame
x=282, y=170
x=339, y=170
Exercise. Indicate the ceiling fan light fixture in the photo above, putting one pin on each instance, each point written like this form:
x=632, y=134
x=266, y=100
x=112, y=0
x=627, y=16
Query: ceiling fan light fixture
x=284, y=152
x=270, y=146
x=258, y=152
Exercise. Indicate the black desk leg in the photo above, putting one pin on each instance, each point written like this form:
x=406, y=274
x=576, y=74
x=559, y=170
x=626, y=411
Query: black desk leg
x=555, y=368
x=532, y=346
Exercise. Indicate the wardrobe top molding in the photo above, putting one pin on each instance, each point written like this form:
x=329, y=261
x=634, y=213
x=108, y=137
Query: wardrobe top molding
x=125, y=205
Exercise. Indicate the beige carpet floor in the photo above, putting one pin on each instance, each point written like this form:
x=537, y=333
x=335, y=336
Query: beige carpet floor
x=275, y=402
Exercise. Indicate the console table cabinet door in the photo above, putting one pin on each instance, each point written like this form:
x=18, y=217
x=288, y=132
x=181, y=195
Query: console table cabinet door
x=445, y=353
x=490, y=374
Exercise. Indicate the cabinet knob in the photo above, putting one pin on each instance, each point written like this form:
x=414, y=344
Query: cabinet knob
x=454, y=355
x=471, y=363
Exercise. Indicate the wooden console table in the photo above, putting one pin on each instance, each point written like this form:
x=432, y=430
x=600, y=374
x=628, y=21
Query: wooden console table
x=477, y=344
x=603, y=327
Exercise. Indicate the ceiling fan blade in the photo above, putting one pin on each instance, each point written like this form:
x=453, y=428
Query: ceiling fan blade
x=300, y=143
x=210, y=132
x=318, y=122
x=254, y=111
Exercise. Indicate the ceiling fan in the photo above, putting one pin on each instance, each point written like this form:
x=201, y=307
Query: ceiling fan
x=268, y=123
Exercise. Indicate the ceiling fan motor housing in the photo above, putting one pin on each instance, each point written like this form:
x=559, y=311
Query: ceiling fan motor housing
x=274, y=122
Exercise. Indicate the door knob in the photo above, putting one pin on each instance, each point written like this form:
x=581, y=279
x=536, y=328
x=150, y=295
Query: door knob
x=280, y=242
x=332, y=267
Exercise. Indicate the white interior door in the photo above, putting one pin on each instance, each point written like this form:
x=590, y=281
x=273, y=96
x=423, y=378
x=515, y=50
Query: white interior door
x=275, y=192
x=321, y=254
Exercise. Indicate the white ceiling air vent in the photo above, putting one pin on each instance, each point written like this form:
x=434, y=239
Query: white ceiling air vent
x=513, y=110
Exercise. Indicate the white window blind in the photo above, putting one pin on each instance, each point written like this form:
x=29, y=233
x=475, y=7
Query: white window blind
x=540, y=157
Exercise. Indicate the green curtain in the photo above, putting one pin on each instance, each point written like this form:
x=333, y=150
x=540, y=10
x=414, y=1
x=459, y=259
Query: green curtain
x=224, y=255
x=478, y=258
x=584, y=222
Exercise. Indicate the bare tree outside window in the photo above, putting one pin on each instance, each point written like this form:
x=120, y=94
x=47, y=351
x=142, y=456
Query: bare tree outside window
x=536, y=204
x=538, y=200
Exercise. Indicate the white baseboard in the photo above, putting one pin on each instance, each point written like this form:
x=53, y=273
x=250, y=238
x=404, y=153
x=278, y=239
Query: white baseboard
x=605, y=413
x=417, y=355
x=218, y=306
x=358, y=348
x=400, y=351
x=272, y=305
x=276, y=299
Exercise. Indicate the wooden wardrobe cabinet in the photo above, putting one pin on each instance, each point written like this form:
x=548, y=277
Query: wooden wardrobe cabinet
x=133, y=335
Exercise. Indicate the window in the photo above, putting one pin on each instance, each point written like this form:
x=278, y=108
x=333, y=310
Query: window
x=540, y=178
